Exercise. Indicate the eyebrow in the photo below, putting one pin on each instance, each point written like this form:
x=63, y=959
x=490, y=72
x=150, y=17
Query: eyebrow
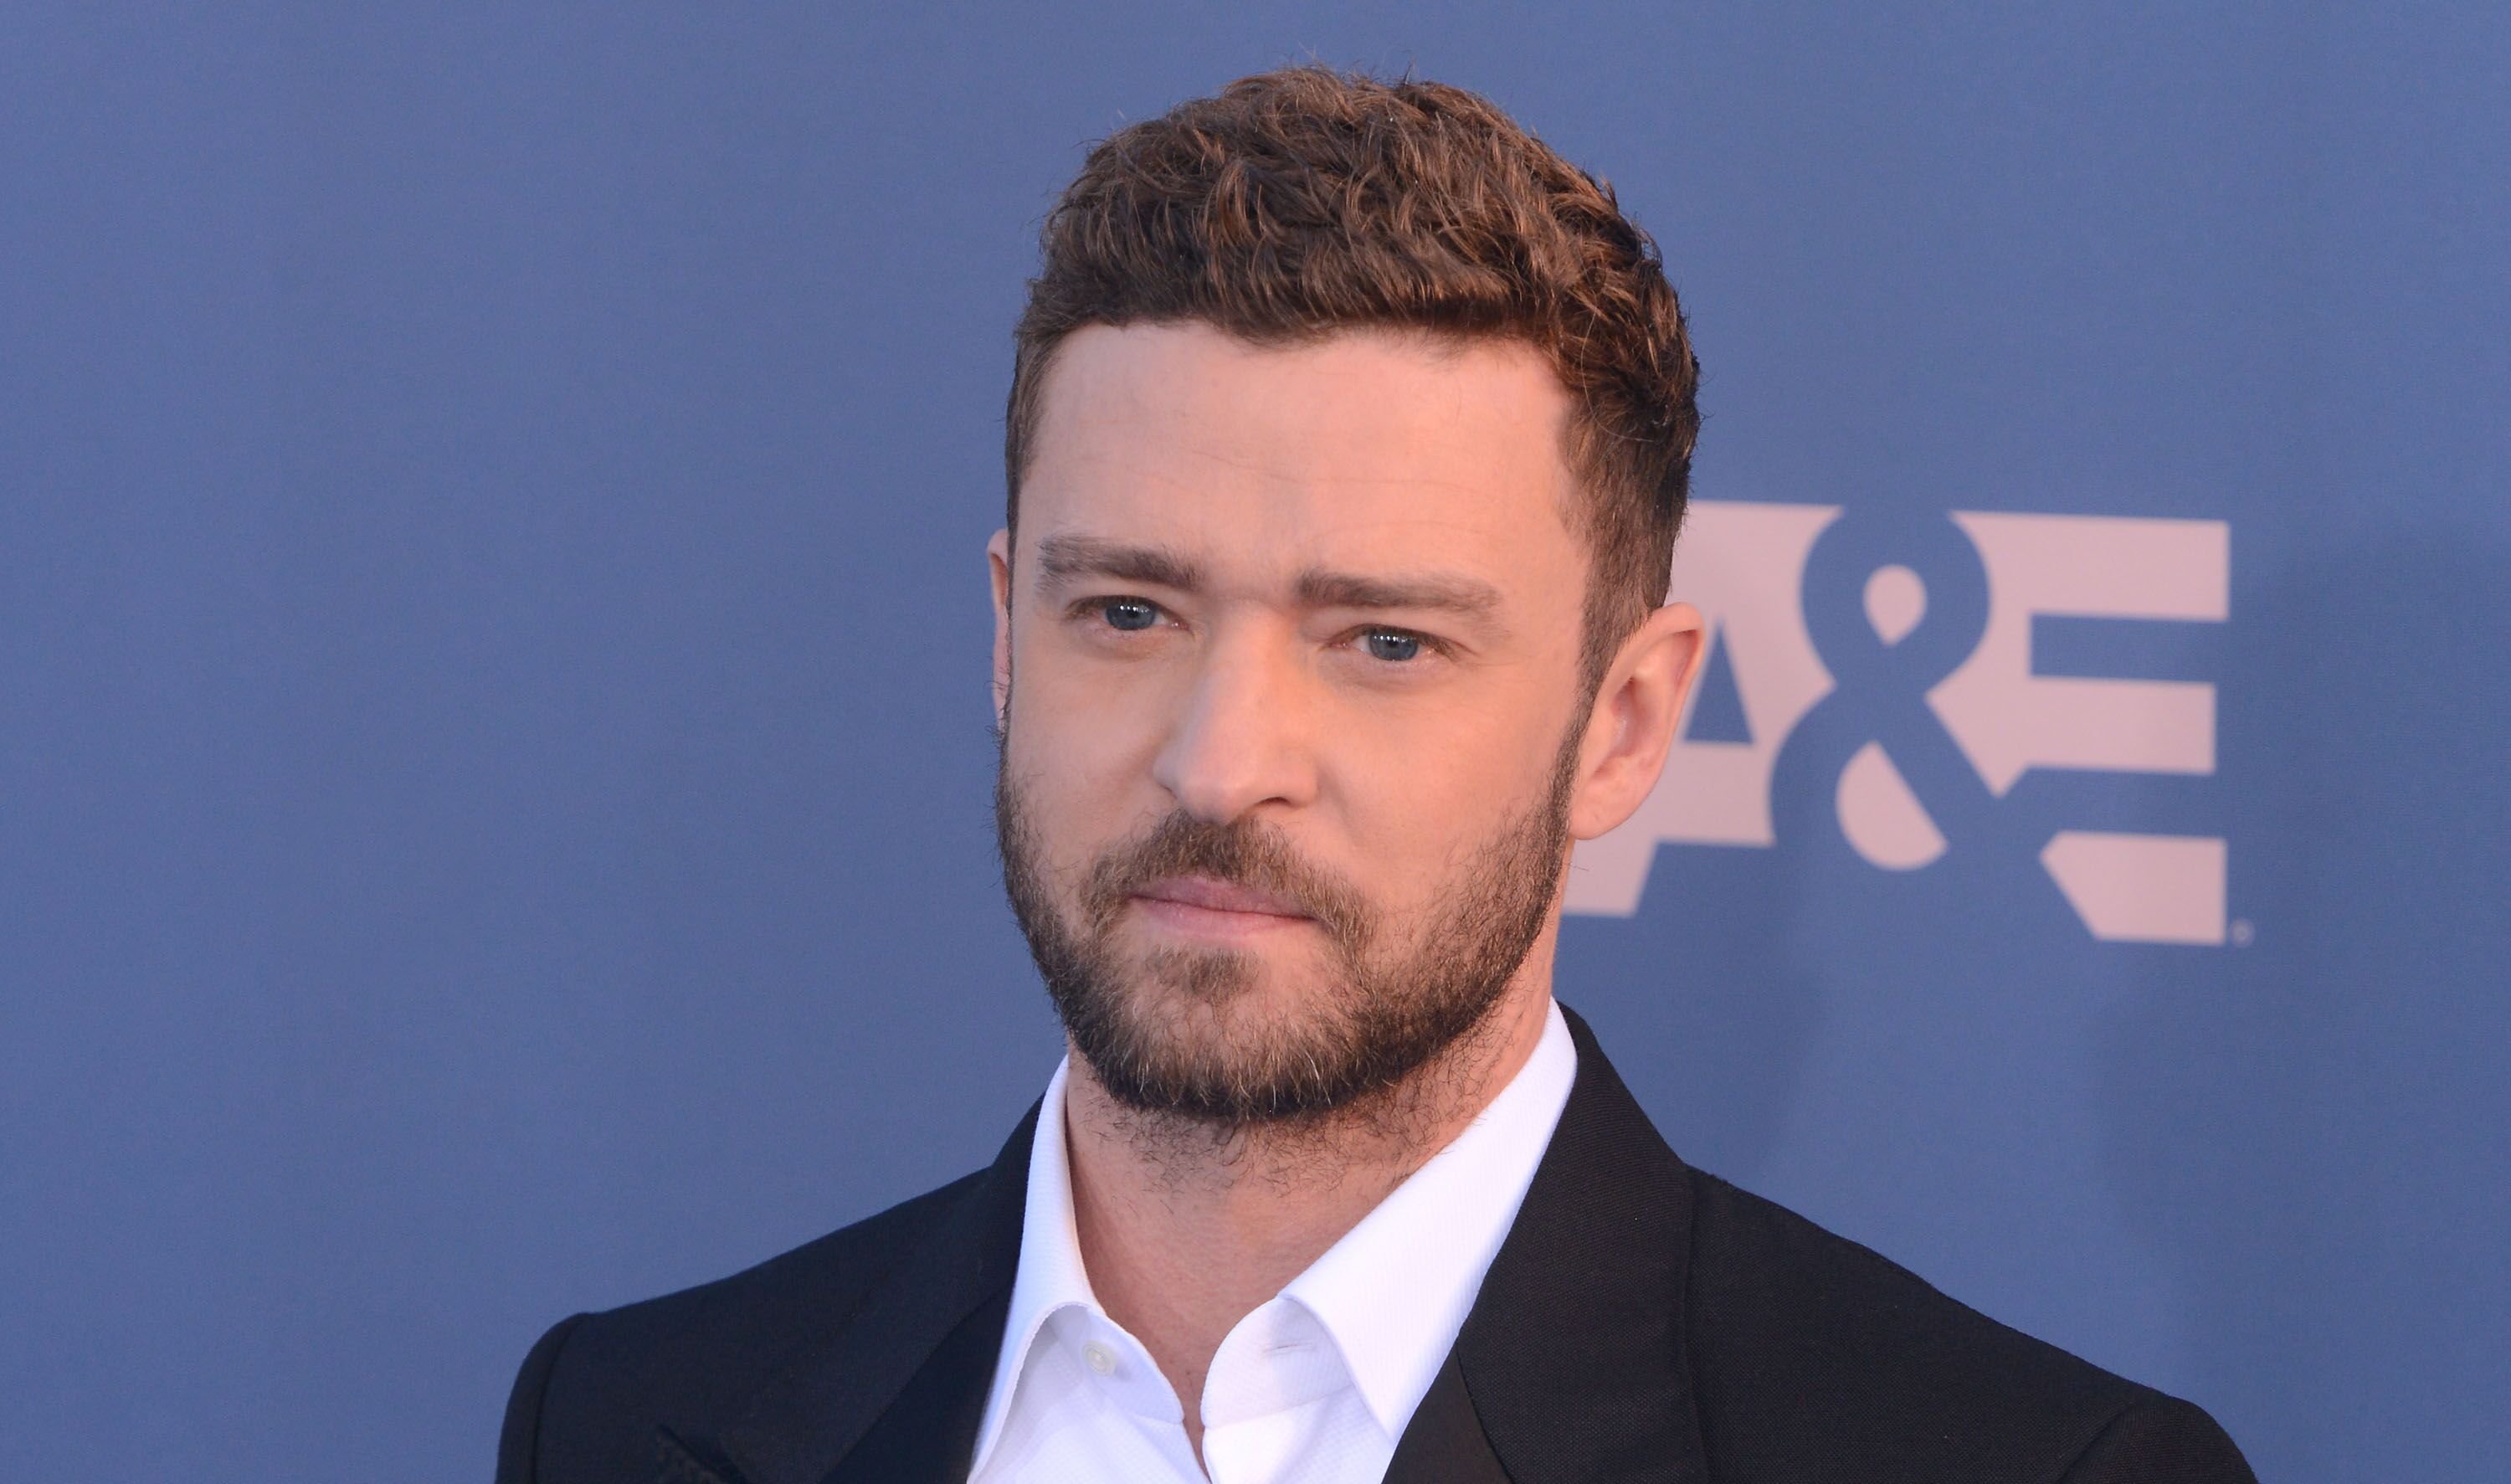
x=1063, y=558
x=1465, y=597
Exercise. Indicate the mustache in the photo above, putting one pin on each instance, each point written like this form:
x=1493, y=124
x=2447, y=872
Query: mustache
x=1243, y=852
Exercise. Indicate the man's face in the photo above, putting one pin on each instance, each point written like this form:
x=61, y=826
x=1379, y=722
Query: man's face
x=1287, y=653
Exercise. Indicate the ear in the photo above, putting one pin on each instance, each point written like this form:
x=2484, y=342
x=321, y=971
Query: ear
x=1631, y=728
x=999, y=556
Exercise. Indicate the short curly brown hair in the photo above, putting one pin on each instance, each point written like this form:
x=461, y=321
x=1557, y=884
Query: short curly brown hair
x=1303, y=201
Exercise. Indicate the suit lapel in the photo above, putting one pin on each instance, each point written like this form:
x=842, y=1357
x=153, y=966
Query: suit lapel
x=930, y=1430
x=910, y=1369
x=1445, y=1442
x=1571, y=1364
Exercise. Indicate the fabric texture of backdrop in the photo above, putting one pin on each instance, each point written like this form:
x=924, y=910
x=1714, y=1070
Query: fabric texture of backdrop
x=495, y=743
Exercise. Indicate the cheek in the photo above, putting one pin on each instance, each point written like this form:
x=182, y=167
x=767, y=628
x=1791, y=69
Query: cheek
x=1418, y=808
x=1082, y=761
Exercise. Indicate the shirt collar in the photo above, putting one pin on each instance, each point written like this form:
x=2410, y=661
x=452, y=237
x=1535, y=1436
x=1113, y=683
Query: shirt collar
x=1051, y=1277
x=1393, y=1292
x=1396, y=1289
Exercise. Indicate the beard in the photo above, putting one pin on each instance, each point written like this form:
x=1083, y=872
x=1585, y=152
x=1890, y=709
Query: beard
x=1189, y=1034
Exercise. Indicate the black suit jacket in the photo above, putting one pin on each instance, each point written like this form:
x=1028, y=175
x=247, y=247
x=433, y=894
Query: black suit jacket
x=1642, y=1321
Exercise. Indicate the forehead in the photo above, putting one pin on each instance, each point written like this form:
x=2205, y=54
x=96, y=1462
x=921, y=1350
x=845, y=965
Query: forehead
x=1362, y=446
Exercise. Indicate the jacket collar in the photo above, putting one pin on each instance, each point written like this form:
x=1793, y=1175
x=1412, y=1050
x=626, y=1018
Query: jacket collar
x=1571, y=1365
x=908, y=1337
x=1574, y=1357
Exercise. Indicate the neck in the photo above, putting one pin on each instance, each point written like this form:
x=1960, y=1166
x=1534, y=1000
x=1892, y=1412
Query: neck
x=1185, y=1230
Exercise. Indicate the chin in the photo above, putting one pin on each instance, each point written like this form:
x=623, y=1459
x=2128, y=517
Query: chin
x=1217, y=987
x=1222, y=1003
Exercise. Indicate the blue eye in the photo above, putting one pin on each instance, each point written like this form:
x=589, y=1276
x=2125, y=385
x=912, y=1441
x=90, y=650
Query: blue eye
x=1130, y=615
x=1387, y=645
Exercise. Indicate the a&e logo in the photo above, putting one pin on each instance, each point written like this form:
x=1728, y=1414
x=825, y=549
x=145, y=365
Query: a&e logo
x=1851, y=656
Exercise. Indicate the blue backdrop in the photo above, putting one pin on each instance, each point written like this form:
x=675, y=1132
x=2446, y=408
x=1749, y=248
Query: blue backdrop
x=493, y=722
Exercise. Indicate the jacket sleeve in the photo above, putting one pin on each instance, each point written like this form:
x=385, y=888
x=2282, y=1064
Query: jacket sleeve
x=2161, y=1441
x=518, y=1442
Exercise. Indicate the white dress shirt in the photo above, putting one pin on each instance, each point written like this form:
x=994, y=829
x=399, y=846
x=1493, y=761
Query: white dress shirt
x=1317, y=1385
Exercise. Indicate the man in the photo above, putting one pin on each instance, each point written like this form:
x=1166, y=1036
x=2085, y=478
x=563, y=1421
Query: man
x=1348, y=438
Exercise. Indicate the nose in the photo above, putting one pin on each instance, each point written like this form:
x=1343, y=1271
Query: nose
x=1240, y=738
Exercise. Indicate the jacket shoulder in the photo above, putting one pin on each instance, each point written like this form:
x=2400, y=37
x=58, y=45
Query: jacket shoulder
x=1815, y=1358
x=588, y=1398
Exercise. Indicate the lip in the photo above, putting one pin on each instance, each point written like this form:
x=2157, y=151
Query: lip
x=1199, y=901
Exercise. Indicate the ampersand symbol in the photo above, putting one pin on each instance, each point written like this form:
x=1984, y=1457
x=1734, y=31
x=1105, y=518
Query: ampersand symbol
x=1892, y=607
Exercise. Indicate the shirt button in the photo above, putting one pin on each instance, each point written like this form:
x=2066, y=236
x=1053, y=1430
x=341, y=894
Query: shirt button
x=1101, y=1359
